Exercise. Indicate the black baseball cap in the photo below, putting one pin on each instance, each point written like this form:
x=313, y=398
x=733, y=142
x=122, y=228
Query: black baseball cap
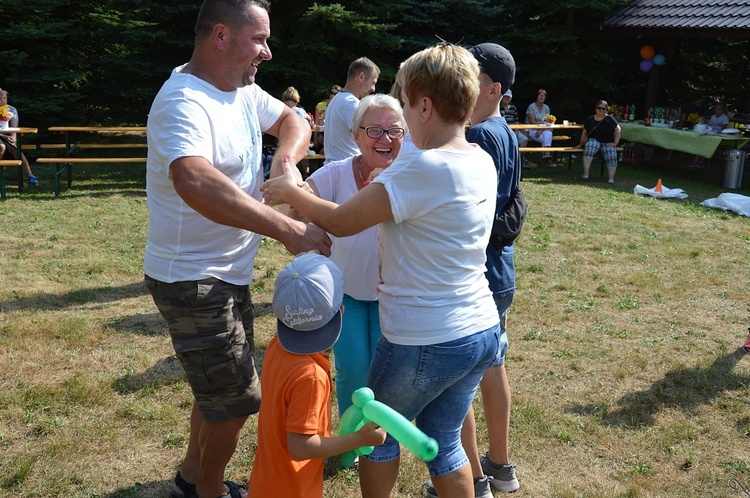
x=496, y=62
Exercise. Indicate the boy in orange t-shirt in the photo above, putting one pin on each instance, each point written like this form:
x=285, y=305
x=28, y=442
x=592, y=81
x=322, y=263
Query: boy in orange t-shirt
x=295, y=415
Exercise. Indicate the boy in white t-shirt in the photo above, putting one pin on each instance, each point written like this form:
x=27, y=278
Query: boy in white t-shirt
x=719, y=119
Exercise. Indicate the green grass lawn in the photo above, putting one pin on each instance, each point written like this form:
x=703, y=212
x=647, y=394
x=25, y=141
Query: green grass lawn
x=626, y=365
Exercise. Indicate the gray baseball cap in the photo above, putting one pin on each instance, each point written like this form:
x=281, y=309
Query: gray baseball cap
x=307, y=303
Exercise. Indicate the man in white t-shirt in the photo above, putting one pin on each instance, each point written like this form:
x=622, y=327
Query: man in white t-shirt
x=204, y=172
x=338, y=140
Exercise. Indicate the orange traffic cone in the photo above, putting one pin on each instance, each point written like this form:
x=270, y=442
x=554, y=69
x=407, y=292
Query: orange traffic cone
x=658, y=188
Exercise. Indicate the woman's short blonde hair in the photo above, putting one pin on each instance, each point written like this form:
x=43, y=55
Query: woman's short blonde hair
x=448, y=75
x=290, y=93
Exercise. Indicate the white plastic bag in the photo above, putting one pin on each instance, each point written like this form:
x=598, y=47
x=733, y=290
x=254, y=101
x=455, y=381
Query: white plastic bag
x=664, y=194
x=730, y=202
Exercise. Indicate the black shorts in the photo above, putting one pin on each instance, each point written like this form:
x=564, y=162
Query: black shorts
x=11, y=151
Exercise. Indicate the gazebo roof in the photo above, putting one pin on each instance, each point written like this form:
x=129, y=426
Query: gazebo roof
x=682, y=18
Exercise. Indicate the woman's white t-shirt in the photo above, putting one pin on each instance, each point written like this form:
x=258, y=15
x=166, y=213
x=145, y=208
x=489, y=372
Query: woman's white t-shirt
x=356, y=256
x=433, y=288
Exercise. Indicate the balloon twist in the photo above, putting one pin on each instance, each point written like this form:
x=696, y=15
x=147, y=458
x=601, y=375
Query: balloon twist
x=367, y=409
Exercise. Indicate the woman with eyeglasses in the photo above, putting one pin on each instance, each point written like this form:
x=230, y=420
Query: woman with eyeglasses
x=600, y=133
x=434, y=209
x=379, y=131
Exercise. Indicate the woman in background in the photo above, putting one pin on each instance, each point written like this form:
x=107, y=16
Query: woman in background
x=535, y=114
x=8, y=148
x=291, y=98
x=600, y=132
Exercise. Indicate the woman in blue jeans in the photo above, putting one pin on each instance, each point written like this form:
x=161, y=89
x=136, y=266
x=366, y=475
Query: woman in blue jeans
x=434, y=209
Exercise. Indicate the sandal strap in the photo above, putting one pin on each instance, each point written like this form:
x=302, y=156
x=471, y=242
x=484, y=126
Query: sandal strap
x=184, y=486
x=234, y=490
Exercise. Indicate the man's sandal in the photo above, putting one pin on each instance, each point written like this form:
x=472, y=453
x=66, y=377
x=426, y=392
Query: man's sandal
x=235, y=491
x=182, y=488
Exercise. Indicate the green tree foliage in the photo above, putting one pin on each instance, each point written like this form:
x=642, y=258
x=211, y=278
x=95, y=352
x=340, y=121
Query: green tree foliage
x=313, y=45
x=559, y=46
x=45, y=60
x=713, y=67
x=91, y=62
x=141, y=43
x=102, y=61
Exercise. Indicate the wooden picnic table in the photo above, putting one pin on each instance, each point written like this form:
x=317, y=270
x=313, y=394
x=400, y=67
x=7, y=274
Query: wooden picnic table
x=64, y=164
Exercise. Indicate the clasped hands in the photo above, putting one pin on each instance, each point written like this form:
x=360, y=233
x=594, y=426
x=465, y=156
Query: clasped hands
x=276, y=190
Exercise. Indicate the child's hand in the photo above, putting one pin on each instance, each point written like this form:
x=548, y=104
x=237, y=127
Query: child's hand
x=372, y=434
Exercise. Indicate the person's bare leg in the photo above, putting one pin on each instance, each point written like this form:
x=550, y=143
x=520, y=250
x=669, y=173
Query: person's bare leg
x=611, y=170
x=191, y=466
x=25, y=166
x=210, y=448
x=496, y=400
x=377, y=479
x=457, y=484
x=587, y=165
x=469, y=442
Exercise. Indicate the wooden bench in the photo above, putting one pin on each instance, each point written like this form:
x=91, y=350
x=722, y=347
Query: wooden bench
x=9, y=163
x=65, y=163
x=565, y=150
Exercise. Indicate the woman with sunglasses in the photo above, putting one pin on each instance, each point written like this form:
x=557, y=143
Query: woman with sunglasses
x=600, y=132
x=379, y=131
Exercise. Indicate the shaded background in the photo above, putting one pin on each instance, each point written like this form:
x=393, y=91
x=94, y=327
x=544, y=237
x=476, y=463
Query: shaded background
x=87, y=62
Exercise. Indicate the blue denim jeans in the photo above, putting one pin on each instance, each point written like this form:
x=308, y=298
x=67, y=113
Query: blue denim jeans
x=353, y=352
x=502, y=303
x=434, y=385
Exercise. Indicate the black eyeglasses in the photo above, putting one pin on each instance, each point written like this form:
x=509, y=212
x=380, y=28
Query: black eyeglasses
x=376, y=132
x=601, y=108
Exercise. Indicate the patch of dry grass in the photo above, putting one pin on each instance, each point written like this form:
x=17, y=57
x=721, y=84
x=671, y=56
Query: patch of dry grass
x=625, y=362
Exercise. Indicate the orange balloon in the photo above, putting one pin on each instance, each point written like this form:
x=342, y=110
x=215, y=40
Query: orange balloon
x=647, y=52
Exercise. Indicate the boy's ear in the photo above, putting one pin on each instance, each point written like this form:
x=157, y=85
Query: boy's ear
x=342, y=309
